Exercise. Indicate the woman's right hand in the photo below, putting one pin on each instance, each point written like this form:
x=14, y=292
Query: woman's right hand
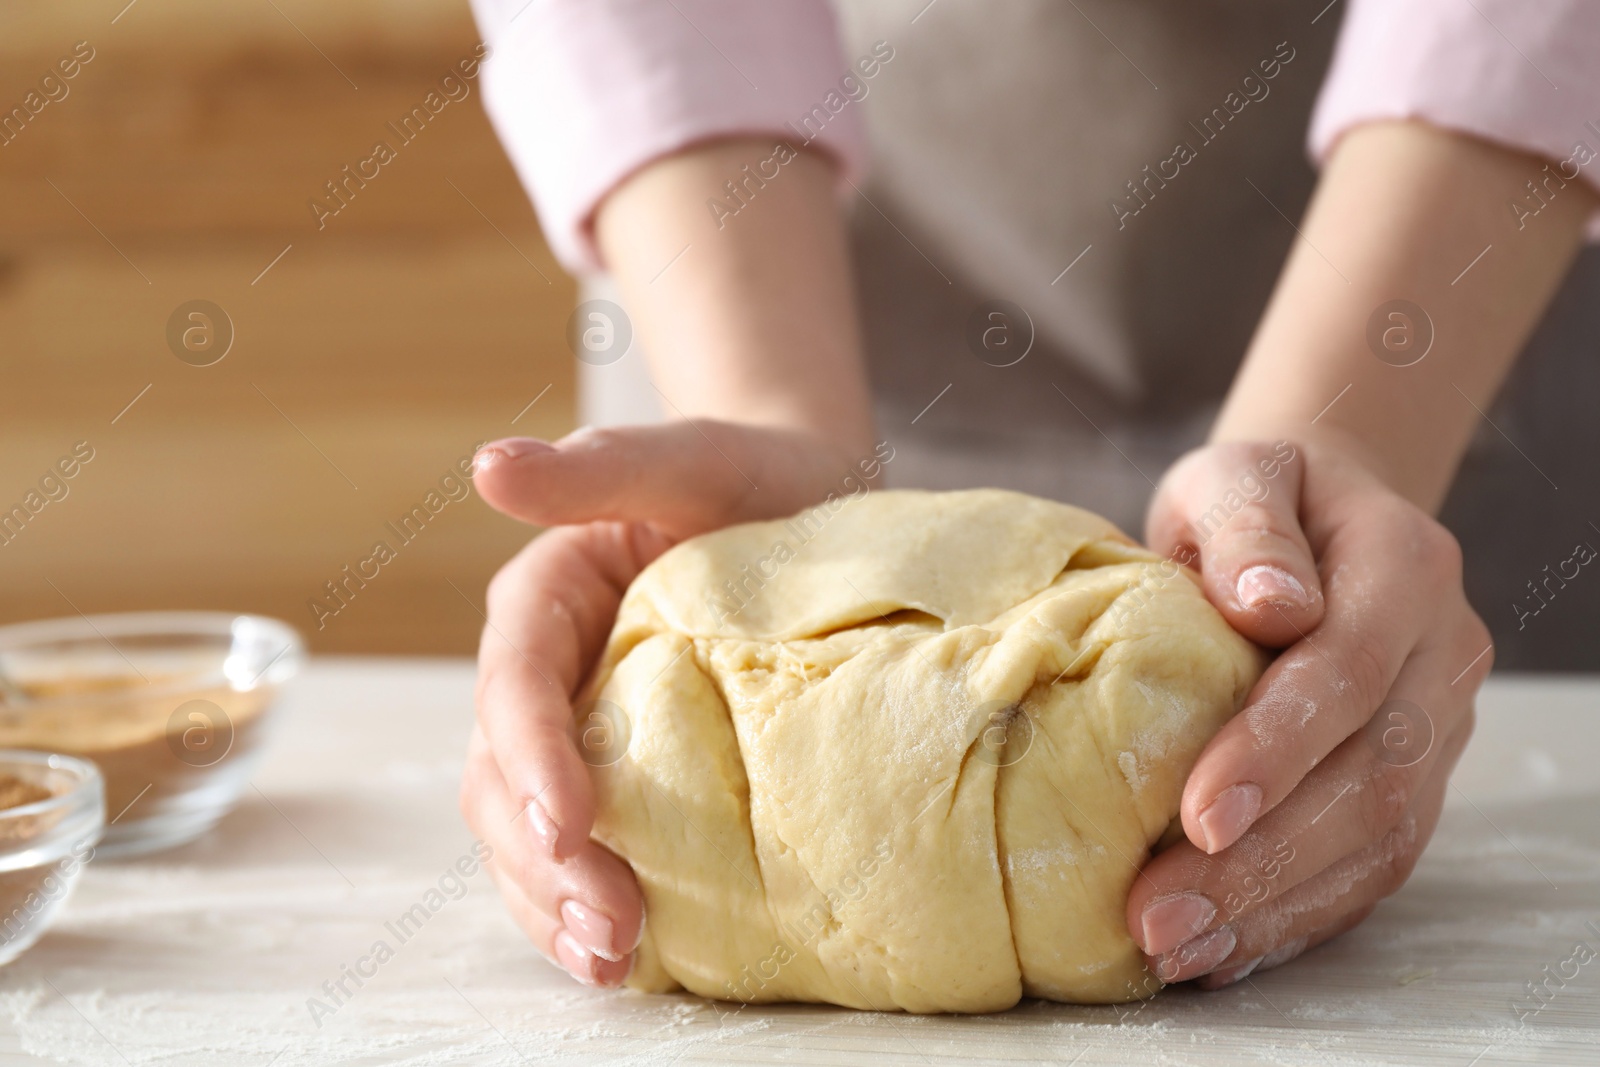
x=616, y=499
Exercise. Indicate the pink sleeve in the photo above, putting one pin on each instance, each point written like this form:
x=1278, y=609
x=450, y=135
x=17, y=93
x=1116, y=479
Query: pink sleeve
x=1523, y=74
x=585, y=92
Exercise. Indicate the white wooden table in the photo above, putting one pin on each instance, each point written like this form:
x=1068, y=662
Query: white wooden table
x=209, y=954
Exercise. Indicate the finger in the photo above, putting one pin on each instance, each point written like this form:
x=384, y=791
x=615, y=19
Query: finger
x=1227, y=976
x=555, y=943
x=683, y=477
x=593, y=894
x=1389, y=582
x=1352, y=885
x=1235, y=506
x=1350, y=801
x=550, y=610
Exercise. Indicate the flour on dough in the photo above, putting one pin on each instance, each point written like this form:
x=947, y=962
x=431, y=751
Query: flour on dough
x=905, y=751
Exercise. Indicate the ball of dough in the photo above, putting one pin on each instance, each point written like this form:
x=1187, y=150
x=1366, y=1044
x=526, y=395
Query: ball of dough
x=905, y=751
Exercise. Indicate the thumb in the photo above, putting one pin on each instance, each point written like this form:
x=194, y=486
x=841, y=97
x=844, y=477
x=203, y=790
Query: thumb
x=683, y=477
x=1236, y=506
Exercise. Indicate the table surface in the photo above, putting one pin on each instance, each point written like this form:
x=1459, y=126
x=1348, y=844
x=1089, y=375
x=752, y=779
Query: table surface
x=210, y=953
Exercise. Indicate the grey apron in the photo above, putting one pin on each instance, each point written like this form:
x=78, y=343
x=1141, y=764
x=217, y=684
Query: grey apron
x=1026, y=164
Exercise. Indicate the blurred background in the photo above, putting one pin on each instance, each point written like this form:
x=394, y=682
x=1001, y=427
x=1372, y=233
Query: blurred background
x=368, y=357
x=369, y=351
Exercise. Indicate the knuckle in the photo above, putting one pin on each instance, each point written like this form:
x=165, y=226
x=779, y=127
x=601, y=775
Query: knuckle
x=473, y=795
x=1479, y=640
x=467, y=799
x=1445, y=550
x=1434, y=547
x=730, y=495
x=524, y=869
x=719, y=433
x=1400, y=859
x=1259, y=522
x=553, y=740
x=617, y=462
x=487, y=697
x=1369, y=666
x=1385, y=799
x=502, y=586
x=1478, y=634
x=477, y=810
x=600, y=438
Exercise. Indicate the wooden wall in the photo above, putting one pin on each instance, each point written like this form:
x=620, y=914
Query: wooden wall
x=369, y=358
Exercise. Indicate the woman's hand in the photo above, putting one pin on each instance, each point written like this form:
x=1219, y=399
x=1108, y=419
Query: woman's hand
x=618, y=499
x=751, y=339
x=1316, y=800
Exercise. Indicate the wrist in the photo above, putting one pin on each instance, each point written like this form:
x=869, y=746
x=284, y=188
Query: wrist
x=1401, y=209
x=748, y=319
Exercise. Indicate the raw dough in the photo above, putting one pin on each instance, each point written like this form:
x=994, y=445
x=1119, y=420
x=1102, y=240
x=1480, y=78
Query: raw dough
x=905, y=751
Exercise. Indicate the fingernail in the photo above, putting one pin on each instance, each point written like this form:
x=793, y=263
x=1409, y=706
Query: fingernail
x=1280, y=956
x=1199, y=956
x=1264, y=584
x=1170, y=921
x=593, y=929
x=509, y=448
x=638, y=938
x=1230, y=815
x=544, y=827
x=1238, y=974
x=578, y=961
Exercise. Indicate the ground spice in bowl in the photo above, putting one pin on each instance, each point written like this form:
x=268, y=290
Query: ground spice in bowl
x=174, y=708
x=52, y=810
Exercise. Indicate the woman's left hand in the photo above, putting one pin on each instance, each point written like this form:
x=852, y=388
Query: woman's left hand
x=1315, y=801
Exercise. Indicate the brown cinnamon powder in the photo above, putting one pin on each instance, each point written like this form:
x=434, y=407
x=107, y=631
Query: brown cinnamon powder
x=15, y=792
x=149, y=743
x=21, y=890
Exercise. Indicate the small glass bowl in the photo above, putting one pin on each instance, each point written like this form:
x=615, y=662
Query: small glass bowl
x=173, y=707
x=45, y=844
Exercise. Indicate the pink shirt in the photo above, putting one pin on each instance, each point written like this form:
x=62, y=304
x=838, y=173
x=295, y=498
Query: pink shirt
x=585, y=92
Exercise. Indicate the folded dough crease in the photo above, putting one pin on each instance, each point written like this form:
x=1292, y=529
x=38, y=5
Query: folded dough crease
x=906, y=751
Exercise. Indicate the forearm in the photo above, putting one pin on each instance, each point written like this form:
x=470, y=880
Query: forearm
x=1401, y=210
x=747, y=317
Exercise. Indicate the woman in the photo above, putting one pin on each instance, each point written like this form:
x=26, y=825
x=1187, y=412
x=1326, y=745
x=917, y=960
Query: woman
x=1072, y=227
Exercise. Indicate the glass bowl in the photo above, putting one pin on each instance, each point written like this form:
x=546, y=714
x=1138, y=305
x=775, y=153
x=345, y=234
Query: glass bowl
x=44, y=842
x=174, y=708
